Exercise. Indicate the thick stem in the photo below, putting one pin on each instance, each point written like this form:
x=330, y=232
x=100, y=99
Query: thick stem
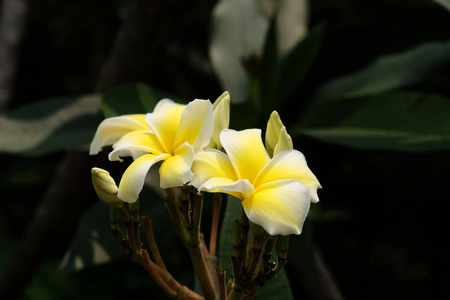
x=202, y=272
x=221, y=275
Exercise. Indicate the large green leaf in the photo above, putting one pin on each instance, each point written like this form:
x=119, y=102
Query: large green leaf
x=387, y=73
x=50, y=125
x=397, y=121
x=94, y=244
x=132, y=98
x=279, y=287
x=296, y=64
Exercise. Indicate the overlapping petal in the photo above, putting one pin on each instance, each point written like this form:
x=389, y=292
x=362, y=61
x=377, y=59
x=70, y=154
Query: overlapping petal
x=196, y=125
x=165, y=121
x=133, y=179
x=289, y=164
x=239, y=189
x=246, y=151
x=176, y=170
x=280, y=207
x=136, y=142
x=209, y=164
x=112, y=129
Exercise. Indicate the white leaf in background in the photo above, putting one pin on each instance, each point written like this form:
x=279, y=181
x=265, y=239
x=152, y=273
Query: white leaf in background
x=292, y=21
x=238, y=29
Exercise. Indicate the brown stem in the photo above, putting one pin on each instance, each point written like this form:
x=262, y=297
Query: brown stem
x=151, y=268
x=217, y=201
x=221, y=275
x=148, y=228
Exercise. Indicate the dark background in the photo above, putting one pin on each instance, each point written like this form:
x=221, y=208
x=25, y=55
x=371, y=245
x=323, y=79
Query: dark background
x=381, y=222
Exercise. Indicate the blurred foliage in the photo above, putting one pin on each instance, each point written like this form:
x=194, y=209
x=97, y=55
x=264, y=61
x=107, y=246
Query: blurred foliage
x=373, y=76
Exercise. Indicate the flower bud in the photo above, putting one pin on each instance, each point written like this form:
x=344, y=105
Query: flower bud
x=105, y=187
x=277, y=138
x=221, y=114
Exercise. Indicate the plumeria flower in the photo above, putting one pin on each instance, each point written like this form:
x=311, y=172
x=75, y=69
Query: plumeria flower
x=174, y=134
x=276, y=192
x=112, y=129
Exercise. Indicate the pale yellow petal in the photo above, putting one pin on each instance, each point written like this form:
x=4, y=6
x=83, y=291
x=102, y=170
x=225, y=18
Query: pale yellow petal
x=274, y=126
x=176, y=170
x=284, y=142
x=196, y=125
x=221, y=108
x=133, y=178
x=164, y=122
x=112, y=129
x=136, y=141
x=238, y=189
x=280, y=207
x=211, y=163
x=290, y=164
x=246, y=151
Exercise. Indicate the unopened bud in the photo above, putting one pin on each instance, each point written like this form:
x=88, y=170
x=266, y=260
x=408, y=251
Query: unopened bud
x=105, y=187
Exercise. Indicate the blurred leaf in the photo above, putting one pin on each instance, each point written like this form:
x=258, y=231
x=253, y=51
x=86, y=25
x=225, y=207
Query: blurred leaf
x=279, y=287
x=387, y=73
x=93, y=243
x=50, y=125
x=238, y=30
x=270, y=70
x=445, y=3
x=50, y=284
x=132, y=98
x=281, y=76
x=295, y=65
x=398, y=121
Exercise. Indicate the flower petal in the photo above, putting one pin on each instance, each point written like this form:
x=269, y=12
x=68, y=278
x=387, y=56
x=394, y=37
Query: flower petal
x=246, y=151
x=133, y=179
x=196, y=125
x=280, y=207
x=284, y=142
x=136, y=142
x=289, y=164
x=238, y=188
x=164, y=122
x=112, y=129
x=211, y=163
x=176, y=170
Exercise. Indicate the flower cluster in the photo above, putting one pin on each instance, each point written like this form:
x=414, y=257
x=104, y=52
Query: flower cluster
x=271, y=179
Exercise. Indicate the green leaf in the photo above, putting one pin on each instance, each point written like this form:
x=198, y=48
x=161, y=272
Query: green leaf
x=397, y=121
x=296, y=64
x=132, y=98
x=93, y=243
x=270, y=70
x=445, y=3
x=387, y=73
x=278, y=288
x=238, y=30
x=50, y=125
